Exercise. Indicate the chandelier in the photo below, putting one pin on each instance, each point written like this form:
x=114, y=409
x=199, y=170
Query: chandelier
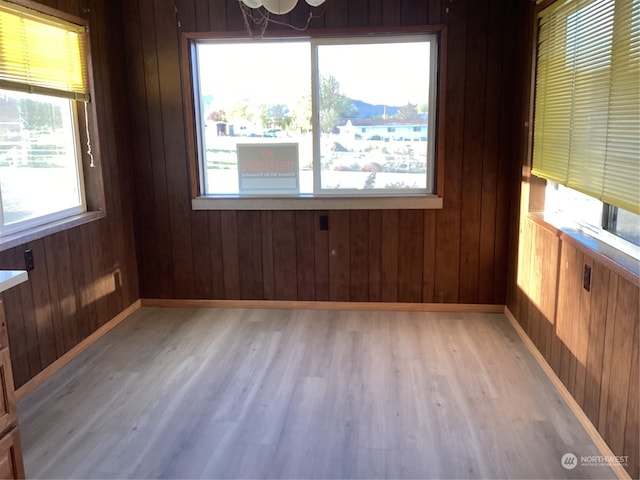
x=256, y=14
x=279, y=7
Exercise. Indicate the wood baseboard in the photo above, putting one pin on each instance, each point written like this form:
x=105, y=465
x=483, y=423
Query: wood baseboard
x=312, y=305
x=40, y=378
x=592, y=431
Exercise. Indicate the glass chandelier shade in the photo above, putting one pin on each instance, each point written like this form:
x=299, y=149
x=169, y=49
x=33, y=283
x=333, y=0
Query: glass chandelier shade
x=279, y=7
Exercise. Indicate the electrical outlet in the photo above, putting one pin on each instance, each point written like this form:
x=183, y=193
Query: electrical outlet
x=28, y=260
x=324, y=221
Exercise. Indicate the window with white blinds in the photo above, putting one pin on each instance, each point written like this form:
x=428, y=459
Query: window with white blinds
x=587, y=99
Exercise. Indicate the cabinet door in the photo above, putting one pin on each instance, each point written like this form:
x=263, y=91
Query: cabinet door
x=11, y=465
x=7, y=395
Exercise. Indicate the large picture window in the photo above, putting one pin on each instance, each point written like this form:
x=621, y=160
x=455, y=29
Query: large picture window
x=43, y=82
x=316, y=117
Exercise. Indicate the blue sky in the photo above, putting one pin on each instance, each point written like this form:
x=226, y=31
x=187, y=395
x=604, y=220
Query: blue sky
x=253, y=71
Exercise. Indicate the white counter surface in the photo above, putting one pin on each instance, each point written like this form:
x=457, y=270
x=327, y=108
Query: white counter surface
x=11, y=278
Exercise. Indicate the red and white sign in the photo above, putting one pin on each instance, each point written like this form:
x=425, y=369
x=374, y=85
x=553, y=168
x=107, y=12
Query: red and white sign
x=268, y=168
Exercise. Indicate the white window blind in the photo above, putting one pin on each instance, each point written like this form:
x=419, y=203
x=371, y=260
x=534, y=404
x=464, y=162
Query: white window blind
x=587, y=107
x=42, y=54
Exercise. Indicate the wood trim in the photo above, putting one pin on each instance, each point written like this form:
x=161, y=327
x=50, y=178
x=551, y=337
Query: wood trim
x=39, y=7
x=313, y=305
x=542, y=4
x=93, y=177
x=571, y=402
x=200, y=202
x=321, y=32
x=531, y=92
x=36, y=233
x=189, y=115
x=41, y=377
x=236, y=203
x=441, y=117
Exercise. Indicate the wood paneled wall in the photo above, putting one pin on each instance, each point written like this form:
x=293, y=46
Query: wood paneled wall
x=589, y=338
x=83, y=276
x=87, y=275
x=457, y=254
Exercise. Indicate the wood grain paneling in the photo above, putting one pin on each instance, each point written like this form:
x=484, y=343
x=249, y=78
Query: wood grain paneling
x=216, y=251
x=250, y=255
x=449, y=231
x=588, y=337
x=389, y=261
x=410, y=255
x=266, y=220
x=200, y=240
x=632, y=426
x=374, y=246
x=322, y=254
x=339, y=256
x=473, y=140
x=305, y=224
x=150, y=236
x=617, y=367
x=447, y=255
x=285, y=265
x=230, y=260
x=86, y=275
x=429, y=258
x=358, y=255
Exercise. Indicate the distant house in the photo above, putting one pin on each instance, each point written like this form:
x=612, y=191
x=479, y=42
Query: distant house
x=390, y=129
x=237, y=128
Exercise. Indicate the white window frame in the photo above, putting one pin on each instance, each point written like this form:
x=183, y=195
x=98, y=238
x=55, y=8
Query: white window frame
x=325, y=199
x=557, y=213
x=21, y=226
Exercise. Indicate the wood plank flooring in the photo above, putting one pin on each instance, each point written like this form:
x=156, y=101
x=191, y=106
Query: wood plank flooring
x=231, y=393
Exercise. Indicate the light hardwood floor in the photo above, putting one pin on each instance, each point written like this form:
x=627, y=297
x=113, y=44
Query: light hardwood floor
x=231, y=393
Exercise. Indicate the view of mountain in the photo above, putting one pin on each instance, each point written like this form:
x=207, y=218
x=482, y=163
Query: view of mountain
x=366, y=110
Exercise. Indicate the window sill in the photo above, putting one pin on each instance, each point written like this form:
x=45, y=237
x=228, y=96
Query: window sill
x=413, y=202
x=36, y=233
x=619, y=262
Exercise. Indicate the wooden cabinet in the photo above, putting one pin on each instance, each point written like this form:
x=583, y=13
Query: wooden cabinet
x=11, y=465
x=8, y=416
